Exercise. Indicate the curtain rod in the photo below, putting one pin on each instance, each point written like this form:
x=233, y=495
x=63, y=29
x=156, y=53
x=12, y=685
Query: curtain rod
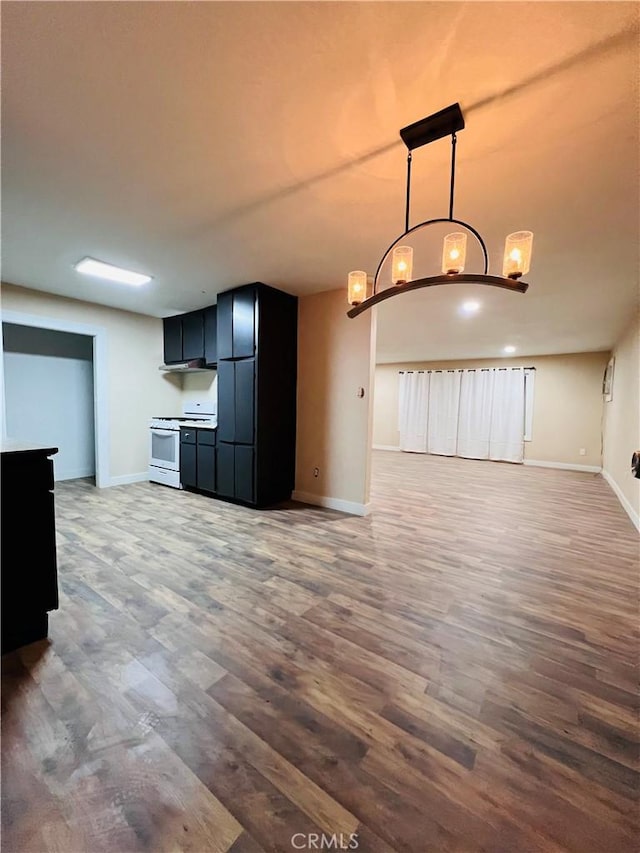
x=465, y=369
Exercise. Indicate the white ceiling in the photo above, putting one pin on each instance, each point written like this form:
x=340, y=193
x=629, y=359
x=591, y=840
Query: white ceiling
x=212, y=144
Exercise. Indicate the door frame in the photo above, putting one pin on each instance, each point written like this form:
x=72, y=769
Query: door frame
x=100, y=380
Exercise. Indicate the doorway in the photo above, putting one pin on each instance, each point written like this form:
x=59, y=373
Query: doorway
x=96, y=338
x=48, y=378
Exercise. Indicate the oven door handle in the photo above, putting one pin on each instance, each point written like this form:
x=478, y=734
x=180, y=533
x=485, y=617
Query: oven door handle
x=164, y=433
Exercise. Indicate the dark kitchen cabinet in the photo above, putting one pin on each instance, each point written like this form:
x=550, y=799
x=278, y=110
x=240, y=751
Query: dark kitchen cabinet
x=237, y=323
x=257, y=358
x=244, y=473
x=211, y=335
x=236, y=401
x=28, y=551
x=193, y=335
x=172, y=328
x=188, y=465
x=224, y=322
x=226, y=470
x=198, y=459
x=236, y=472
x=206, y=460
x=244, y=322
x=245, y=401
x=226, y=400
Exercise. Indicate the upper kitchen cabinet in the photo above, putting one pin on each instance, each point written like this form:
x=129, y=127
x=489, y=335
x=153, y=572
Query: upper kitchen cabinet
x=237, y=323
x=211, y=335
x=172, y=327
x=191, y=337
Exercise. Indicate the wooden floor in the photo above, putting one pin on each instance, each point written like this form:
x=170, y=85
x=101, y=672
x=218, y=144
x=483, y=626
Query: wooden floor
x=457, y=671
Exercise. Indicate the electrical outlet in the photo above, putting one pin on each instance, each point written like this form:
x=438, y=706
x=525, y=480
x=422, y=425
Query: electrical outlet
x=583, y=451
x=316, y=472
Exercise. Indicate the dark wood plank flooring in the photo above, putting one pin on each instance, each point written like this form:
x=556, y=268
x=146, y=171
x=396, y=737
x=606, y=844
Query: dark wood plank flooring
x=458, y=671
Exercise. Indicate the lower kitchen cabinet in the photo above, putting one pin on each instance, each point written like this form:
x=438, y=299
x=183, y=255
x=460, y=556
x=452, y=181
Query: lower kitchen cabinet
x=198, y=459
x=236, y=472
x=188, y=465
x=226, y=467
x=243, y=473
x=206, y=460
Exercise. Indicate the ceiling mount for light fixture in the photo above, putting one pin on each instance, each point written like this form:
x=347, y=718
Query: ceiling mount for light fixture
x=517, y=256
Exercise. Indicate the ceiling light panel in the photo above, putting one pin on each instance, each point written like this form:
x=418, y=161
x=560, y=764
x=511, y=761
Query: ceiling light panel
x=100, y=269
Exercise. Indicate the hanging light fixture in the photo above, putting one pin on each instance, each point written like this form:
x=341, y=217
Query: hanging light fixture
x=517, y=252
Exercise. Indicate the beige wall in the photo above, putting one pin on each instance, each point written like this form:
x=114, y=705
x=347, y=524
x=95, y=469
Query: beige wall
x=567, y=406
x=335, y=358
x=136, y=389
x=622, y=421
x=198, y=386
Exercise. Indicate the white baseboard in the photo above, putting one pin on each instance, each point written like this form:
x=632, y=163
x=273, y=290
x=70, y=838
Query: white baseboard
x=127, y=479
x=385, y=447
x=74, y=475
x=332, y=503
x=564, y=466
x=628, y=508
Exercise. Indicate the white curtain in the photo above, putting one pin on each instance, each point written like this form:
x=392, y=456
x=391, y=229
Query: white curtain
x=479, y=414
x=474, y=423
x=529, y=391
x=414, y=411
x=506, y=437
x=444, y=402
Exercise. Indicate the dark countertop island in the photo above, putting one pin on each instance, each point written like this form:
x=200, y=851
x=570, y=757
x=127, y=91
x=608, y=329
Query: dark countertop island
x=16, y=445
x=28, y=553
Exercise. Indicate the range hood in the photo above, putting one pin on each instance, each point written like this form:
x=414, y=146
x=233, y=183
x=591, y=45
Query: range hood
x=196, y=365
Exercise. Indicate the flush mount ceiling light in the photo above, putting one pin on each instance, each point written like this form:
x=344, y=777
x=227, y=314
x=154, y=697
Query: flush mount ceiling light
x=89, y=266
x=509, y=349
x=517, y=253
x=470, y=307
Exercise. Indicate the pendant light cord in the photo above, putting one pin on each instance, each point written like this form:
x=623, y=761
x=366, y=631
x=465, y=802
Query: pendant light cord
x=454, y=140
x=406, y=210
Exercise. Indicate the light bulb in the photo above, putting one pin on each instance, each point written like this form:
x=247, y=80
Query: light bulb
x=517, y=254
x=402, y=264
x=357, y=287
x=454, y=253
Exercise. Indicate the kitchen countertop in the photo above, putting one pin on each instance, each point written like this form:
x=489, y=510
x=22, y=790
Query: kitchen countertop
x=16, y=445
x=198, y=425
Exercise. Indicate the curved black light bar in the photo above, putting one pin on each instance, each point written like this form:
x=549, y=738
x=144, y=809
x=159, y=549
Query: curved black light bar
x=446, y=122
x=461, y=278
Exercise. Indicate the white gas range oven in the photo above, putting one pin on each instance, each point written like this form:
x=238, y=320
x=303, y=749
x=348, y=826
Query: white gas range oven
x=164, y=440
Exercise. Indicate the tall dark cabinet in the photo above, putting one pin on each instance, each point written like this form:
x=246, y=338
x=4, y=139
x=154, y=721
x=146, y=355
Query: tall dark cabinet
x=257, y=367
